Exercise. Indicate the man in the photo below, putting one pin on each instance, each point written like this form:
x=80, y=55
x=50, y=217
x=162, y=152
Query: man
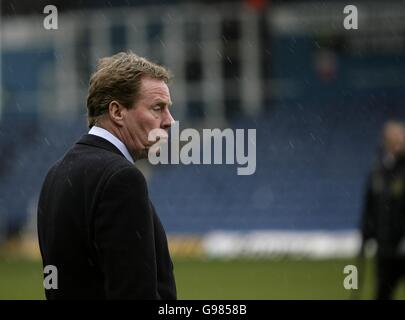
x=384, y=212
x=96, y=224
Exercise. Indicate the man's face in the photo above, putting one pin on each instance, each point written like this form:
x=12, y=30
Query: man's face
x=394, y=139
x=150, y=111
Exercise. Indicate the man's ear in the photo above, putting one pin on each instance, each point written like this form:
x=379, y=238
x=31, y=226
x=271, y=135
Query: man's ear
x=116, y=112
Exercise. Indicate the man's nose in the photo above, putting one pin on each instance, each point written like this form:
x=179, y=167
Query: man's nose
x=168, y=121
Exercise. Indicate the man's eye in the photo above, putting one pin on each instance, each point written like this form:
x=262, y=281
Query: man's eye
x=157, y=108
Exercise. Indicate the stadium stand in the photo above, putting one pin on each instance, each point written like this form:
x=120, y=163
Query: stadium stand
x=316, y=135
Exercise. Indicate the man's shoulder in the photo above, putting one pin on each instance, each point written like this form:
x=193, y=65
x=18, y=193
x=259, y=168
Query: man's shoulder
x=125, y=173
x=109, y=163
x=108, y=171
x=95, y=155
x=90, y=160
x=112, y=166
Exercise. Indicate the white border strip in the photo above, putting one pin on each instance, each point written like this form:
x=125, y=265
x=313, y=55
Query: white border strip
x=308, y=244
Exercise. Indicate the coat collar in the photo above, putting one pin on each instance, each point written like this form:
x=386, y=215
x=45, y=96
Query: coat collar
x=98, y=142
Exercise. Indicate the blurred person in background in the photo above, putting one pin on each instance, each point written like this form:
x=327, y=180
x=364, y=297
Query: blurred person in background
x=383, y=216
x=96, y=224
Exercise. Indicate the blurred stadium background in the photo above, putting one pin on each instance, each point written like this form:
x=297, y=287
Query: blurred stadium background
x=316, y=94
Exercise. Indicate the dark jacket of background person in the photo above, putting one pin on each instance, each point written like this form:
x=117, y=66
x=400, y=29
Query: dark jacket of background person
x=97, y=225
x=384, y=220
x=384, y=210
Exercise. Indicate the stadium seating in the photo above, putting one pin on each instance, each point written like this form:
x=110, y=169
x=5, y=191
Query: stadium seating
x=312, y=162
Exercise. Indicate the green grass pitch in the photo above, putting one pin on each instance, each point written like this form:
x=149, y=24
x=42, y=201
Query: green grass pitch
x=224, y=279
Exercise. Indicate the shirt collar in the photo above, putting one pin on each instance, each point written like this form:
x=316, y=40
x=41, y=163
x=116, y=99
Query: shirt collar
x=105, y=134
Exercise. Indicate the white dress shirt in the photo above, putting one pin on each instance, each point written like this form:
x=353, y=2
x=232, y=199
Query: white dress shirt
x=102, y=133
